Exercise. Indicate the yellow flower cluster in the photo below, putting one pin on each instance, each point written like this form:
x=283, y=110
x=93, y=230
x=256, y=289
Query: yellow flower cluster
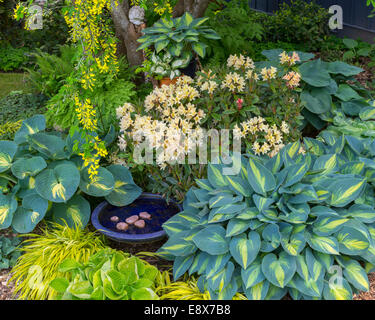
x=269, y=73
x=289, y=60
x=86, y=114
x=293, y=79
x=163, y=8
x=258, y=128
x=234, y=82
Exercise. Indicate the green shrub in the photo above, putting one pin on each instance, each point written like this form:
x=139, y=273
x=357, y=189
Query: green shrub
x=12, y=58
x=43, y=253
x=43, y=173
x=9, y=252
x=282, y=225
x=298, y=22
x=108, y=275
x=236, y=27
x=52, y=70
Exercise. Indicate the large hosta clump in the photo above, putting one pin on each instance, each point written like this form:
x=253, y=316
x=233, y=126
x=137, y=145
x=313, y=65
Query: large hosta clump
x=286, y=225
x=40, y=173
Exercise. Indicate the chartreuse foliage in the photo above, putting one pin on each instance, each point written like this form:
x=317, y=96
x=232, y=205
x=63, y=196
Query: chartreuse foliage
x=43, y=253
x=41, y=172
x=326, y=90
x=108, y=275
x=281, y=224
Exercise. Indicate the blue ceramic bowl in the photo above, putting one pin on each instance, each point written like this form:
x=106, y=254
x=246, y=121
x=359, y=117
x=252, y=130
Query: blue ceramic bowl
x=154, y=204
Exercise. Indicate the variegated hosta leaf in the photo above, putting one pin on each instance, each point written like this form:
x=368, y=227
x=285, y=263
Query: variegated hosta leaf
x=49, y=145
x=260, y=178
x=7, y=151
x=245, y=249
x=239, y=185
x=215, y=176
x=222, y=200
x=271, y=238
x=178, y=246
x=23, y=168
x=258, y=291
x=236, y=226
x=294, y=244
x=29, y=127
x=212, y=240
x=216, y=263
x=252, y=275
x=362, y=213
x=345, y=190
x=58, y=184
x=76, y=212
x=279, y=270
x=200, y=263
x=222, y=278
x=225, y=212
x=327, y=225
x=99, y=186
x=180, y=222
x=351, y=241
x=323, y=244
x=275, y=292
x=125, y=191
x=355, y=274
x=27, y=217
x=338, y=290
x=181, y=265
x=8, y=206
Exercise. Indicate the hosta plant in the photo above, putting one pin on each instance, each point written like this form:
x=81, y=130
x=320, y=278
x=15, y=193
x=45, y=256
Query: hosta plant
x=285, y=225
x=179, y=36
x=165, y=66
x=325, y=88
x=40, y=173
x=108, y=275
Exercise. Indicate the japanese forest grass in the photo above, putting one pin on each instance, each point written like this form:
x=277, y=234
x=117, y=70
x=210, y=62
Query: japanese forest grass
x=282, y=225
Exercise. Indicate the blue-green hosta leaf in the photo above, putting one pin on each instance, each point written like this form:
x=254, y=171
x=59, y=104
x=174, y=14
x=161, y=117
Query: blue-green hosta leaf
x=215, y=176
x=326, y=225
x=229, y=291
x=23, y=168
x=240, y=186
x=125, y=191
x=29, y=127
x=296, y=173
x=27, y=217
x=204, y=184
x=180, y=222
x=222, y=199
x=338, y=291
x=326, y=260
x=178, y=246
x=339, y=67
x=306, y=194
x=216, y=263
x=323, y=244
x=276, y=293
x=293, y=244
x=200, y=263
x=245, y=249
x=236, y=226
x=362, y=213
x=212, y=240
x=248, y=213
x=76, y=212
x=260, y=178
x=8, y=206
x=253, y=274
x=258, y=291
x=355, y=274
x=314, y=146
x=7, y=151
x=328, y=163
x=274, y=164
x=355, y=144
x=354, y=107
x=181, y=265
x=271, y=238
x=353, y=167
x=221, y=279
x=262, y=203
x=100, y=186
x=279, y=270
x=202, y=195
x=49, y=145
x=345, y=190
x=317, y=100
x=346, y=93
x=315, y=73
x=367, y=114
x=225, y=212
x=352, y=241
x=58, y=184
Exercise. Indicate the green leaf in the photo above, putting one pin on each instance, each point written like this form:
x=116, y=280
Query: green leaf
x=7, y=151
x=260, y=178
x=258, y=291
x=200, y=48
x=352, y=241
x=178, y=246
x=317, y=100
x=356, y=275
x=125, y=191
x=353, y=107
x=58, y=184
x=345, y=190
x=338, y=291
x=181, y=265
x=346, y=93
x=59, y=284
x=23, y=168
x=315, y=74
x=100, y=186
x=339, y=67
x=245, y=249
x=49, y=145
x=326, y=225
x=236, y=226
x=279, y=271
x=253, y=275
x=144, y=294
x=29, y=127
x=350, y=43
x=212, y=240
x=222, y=278
x=8, y=206
x=367, y=113
x=215, y=176
x=323, y=244
x=76, y=212
x=362, y=213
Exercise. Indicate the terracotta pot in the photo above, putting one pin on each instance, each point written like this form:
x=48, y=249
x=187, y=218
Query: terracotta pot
x=167, y=81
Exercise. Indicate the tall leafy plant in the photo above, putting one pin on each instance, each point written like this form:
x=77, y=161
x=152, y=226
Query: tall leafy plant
x=282, y=225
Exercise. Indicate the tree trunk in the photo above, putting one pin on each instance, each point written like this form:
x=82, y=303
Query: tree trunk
x=196, y=7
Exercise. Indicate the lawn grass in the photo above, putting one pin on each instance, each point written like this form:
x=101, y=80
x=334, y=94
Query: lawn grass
x=12, y=82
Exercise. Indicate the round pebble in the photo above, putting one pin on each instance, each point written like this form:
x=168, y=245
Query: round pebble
x=132, y=219
x=140, y=224
x=115, y=219
x=145, y=215
x=122, y=226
